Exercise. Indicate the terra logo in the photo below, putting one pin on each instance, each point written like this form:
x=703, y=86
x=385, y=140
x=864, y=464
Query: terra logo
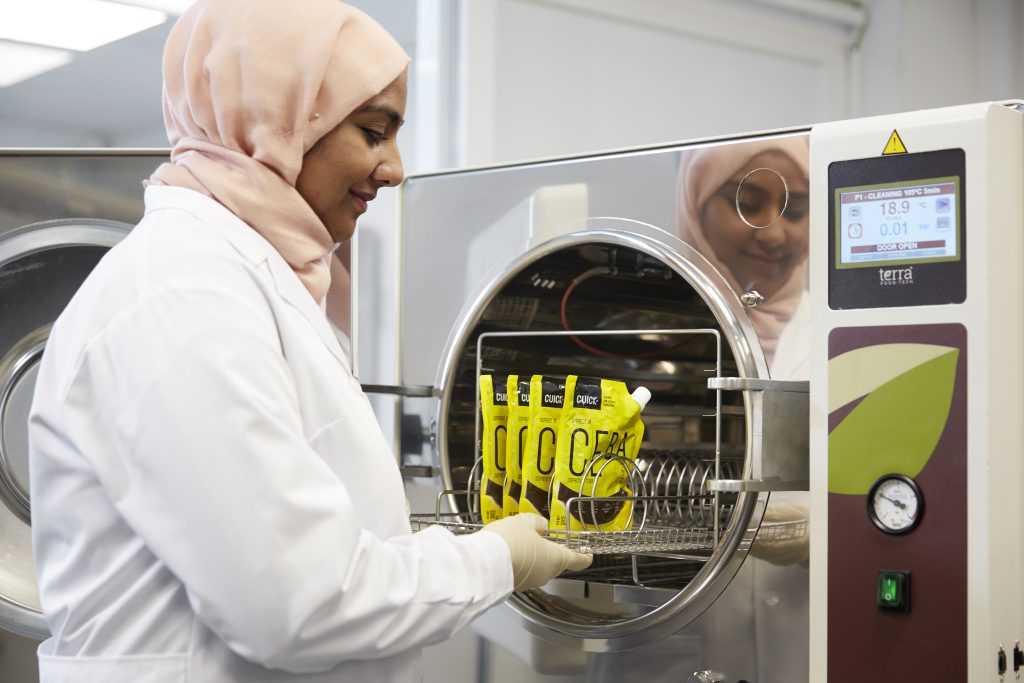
x=896, y=276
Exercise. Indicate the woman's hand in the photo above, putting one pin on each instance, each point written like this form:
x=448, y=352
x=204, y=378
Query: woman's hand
x=535, y=560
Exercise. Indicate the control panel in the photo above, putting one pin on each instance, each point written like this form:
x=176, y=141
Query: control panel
x=897, y=230
x=917, y=391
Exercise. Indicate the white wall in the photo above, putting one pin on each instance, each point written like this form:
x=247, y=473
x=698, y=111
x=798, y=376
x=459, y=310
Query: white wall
x=497, y=80
x=553, y=77
x=549, y=77
x=927, y=53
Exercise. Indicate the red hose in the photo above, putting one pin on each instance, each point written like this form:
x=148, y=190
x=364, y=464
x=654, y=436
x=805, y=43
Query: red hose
x=593, y=272
x=565, y=323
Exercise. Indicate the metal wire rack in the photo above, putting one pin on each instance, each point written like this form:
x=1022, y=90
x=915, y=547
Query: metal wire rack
x=674, y=514
x=692, y=543
x=684, y=543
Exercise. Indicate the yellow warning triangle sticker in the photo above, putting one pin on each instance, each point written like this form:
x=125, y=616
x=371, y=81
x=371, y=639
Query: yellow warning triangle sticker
x=895, y=145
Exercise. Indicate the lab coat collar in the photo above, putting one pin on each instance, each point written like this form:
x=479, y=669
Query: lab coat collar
x=251, y=246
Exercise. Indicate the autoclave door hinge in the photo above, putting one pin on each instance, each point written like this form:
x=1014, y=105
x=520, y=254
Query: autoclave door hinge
x=412, y=432
x=780, y=454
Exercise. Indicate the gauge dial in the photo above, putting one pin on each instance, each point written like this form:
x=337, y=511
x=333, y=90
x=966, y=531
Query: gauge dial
x=895, y=504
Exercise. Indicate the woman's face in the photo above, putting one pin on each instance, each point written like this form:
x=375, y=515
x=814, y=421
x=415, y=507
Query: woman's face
x=761, y=259
x=346, y=167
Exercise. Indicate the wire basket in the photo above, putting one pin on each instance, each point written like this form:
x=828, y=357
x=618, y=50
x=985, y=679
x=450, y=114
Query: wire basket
x=690, y=543
x=693, y=543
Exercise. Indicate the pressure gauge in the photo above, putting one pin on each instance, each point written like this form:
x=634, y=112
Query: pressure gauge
x=895, y=504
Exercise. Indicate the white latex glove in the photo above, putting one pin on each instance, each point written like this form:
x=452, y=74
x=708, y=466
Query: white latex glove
x=535, y=560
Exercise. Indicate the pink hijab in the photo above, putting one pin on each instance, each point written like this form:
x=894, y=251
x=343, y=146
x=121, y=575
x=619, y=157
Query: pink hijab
x=249, y=87
x=702, y=172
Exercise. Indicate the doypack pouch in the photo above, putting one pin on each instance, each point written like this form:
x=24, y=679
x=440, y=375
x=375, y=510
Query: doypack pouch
x=600, y=417
x=493, y=438
x=518, y=440
x=546, y=397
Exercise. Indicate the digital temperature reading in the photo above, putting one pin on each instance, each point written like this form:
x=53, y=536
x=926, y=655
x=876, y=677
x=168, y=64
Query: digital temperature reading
x=914, y=222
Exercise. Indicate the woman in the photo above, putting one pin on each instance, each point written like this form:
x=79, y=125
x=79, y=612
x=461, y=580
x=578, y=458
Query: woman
x=212, y=497
x=770, y=258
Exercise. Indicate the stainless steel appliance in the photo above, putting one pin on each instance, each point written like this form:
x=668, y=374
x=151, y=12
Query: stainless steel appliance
x=60, y=210
x=577, y=266
x=910, y=328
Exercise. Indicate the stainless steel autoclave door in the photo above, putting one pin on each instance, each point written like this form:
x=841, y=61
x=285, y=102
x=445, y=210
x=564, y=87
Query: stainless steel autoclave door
x=653, y=285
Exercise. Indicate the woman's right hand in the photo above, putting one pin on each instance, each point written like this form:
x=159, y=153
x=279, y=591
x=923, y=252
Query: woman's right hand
x=535, y=560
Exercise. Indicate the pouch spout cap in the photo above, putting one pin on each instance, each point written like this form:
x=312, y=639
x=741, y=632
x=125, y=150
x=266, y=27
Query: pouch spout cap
x=641, y=395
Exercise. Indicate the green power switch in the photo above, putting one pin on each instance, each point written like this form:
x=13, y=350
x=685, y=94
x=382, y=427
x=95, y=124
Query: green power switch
x=893, y=591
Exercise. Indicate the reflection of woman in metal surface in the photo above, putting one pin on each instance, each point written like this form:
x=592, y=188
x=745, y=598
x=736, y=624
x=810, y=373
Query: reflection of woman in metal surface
x=762, y=616
x=212, y=497
x=722, y=193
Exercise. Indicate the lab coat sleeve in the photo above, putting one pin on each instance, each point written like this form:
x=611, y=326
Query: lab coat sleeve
x=198, y=440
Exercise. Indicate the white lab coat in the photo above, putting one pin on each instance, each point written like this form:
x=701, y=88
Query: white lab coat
x=212, y=498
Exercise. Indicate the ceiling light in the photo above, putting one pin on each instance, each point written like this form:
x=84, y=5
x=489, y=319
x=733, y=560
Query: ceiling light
x=21, y=62
x=170, y=6
x=73, y=24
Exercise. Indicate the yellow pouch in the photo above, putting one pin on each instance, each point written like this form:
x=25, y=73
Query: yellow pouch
x=518, y=438
x=546, y=397
x=600, y=416
x=493, y=437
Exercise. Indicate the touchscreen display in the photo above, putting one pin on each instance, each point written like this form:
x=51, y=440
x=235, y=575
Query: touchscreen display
x=898, y=223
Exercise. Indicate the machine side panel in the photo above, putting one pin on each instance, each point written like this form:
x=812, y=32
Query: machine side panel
x=898, y=406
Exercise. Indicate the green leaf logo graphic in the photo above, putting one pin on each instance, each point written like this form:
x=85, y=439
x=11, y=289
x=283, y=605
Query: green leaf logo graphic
x=907, y=390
